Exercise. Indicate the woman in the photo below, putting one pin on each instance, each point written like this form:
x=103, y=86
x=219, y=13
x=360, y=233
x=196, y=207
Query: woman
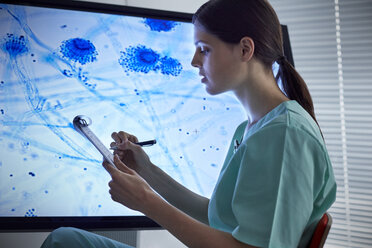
x=277, y=180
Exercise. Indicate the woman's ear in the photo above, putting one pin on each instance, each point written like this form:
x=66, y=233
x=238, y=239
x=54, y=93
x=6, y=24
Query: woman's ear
x=247, y=48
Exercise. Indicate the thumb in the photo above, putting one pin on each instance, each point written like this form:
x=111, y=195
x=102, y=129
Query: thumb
x=109, y=168
x=121, y=166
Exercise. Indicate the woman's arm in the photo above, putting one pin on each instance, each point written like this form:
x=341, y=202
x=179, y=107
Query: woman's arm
x=179, y=196
x=186, y=229
x=176, y=194
x=131, y=190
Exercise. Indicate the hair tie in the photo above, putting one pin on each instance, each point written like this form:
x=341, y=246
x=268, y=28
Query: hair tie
x=281, y=59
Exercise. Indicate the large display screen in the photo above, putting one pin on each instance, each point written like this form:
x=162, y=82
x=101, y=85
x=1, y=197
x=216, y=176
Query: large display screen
x=124, y=71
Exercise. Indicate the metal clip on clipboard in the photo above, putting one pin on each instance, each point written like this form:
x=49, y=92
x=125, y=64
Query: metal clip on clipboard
x=81, y=125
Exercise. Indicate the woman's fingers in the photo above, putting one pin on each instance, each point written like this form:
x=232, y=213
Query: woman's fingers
x=115, y=136
x=127, y=145
x=109, y=168
x=123, y=136
x=121, y=166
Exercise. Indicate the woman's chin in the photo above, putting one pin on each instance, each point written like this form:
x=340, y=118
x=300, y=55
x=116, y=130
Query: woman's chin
x=211, y=91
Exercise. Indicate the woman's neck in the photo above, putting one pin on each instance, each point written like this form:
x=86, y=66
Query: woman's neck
x=259, y=94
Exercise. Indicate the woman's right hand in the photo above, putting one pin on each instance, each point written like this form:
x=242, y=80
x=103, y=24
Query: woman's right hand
x=131, y=154
x=175, y=193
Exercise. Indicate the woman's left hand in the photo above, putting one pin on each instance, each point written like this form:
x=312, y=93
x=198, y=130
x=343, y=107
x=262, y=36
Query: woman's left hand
x=127, y=187
x=131, y=190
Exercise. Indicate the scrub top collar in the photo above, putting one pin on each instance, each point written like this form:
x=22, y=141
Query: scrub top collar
x=280, y=109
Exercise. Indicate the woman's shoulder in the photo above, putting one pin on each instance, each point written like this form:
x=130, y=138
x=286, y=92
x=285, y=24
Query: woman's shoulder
x=292, y=122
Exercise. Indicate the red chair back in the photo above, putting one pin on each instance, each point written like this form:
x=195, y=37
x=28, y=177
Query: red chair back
x=321, y=232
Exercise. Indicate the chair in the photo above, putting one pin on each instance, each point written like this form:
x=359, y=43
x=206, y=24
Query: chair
x=321, y=232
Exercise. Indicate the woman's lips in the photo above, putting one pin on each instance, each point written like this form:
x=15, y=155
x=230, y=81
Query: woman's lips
x=203, y=79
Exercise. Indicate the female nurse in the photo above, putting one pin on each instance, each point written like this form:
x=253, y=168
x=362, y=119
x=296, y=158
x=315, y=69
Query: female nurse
x=277, y=180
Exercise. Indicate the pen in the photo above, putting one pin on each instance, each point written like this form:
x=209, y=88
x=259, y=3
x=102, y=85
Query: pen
x=143, y=144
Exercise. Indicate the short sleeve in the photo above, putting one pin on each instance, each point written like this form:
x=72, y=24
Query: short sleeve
x=276, y=186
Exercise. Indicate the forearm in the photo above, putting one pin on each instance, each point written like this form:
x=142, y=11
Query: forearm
x=176, y=194
x=188, y=230
x=131, y=190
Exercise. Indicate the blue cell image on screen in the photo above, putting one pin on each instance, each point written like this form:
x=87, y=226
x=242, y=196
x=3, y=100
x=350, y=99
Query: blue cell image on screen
x=124, y=73
x=79, y=50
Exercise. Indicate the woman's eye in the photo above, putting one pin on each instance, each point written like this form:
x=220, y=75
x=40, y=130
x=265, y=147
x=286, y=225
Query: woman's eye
x=204, y=50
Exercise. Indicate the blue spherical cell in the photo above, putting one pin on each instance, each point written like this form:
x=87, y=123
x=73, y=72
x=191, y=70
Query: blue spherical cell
x=160, y=25
x=67, y=73
x=15, y=45
x=170, y=66
x=30, y=213
x=79, y=50
x=139, y=59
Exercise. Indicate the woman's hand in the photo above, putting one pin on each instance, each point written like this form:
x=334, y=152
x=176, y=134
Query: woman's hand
x=131, y=154
x=127, y=187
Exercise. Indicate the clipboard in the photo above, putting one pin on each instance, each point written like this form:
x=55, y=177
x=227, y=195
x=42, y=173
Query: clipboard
x=81, y=124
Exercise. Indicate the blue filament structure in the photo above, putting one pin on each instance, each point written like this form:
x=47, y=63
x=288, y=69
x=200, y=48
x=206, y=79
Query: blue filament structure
x=160, y=25
x=170, y=66
x=15, y=45
x=79, y=50
x=139, y=59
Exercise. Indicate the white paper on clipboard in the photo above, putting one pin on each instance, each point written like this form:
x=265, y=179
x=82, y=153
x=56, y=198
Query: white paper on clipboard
x=81, y=125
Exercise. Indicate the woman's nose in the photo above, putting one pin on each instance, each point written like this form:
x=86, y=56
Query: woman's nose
x=195, y=61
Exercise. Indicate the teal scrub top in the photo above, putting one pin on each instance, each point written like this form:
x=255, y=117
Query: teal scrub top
x=274, y=188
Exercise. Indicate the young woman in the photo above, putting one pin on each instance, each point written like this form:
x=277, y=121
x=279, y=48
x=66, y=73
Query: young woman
x=277, y=184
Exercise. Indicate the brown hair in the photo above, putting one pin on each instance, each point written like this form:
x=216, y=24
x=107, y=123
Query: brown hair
x=231, y=20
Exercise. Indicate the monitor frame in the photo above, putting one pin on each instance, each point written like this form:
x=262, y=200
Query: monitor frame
x=34, y=224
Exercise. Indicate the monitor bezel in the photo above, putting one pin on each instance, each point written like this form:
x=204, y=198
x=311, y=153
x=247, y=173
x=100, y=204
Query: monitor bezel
x=21, y=224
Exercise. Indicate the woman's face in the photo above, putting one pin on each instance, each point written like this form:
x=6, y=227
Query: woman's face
x=218, y=62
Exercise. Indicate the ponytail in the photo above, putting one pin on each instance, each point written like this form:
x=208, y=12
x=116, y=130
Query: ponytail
x=295, y=87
